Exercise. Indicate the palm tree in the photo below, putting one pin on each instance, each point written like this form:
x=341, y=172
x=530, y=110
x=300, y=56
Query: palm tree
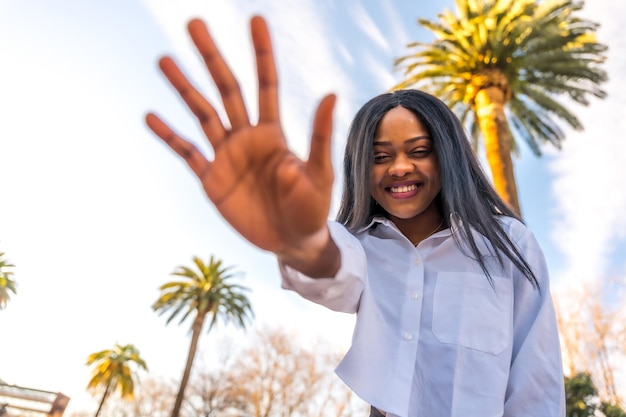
x=112, y=371
x=202, y=293
x=502, y=63
x=7, y=284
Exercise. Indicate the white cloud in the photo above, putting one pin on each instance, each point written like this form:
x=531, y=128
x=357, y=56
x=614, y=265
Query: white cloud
x=590, y=170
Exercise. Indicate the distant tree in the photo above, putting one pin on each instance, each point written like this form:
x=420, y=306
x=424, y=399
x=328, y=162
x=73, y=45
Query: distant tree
x=207, y=395
x=210, y=393
x=272, y=374
x=592, y=325
x=153, y=398
x=277, y=376
x=206, y=291
x=611, y=410
x=580, y=396
x=114, y=370
x=502, y=63
x=7, y=284
x=582, y=399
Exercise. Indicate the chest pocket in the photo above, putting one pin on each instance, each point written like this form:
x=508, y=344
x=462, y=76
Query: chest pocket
x=469, y=312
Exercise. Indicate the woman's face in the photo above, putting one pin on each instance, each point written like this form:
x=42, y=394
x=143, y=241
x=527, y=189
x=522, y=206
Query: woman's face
x=405, y=176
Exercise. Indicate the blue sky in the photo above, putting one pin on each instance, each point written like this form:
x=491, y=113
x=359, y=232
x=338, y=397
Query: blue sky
x=96, y=213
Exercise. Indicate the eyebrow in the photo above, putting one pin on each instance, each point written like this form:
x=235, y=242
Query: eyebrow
x=411, y=140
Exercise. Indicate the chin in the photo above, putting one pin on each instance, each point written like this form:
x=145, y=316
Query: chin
x=404, y=215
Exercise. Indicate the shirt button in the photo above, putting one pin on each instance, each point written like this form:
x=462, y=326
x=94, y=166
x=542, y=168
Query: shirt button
x=407, y=336
x=414, y=296
x=417, y=262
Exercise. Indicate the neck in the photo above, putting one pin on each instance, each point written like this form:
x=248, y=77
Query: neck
x=422, y=227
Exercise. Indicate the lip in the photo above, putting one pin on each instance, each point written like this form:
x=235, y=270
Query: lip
x=406, y=189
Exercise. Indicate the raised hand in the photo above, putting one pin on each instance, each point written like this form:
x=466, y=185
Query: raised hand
x=271, y=197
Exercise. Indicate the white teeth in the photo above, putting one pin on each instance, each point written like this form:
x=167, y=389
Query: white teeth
x=404, y=188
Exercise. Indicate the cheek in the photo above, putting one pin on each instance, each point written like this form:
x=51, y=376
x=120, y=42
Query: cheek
x=435, y=173
x=374, y=180
x=372, y=187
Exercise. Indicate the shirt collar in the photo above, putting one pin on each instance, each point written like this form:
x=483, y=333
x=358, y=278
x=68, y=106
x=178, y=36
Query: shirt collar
x=455, y=223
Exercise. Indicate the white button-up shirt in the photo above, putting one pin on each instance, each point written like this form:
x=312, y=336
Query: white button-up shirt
x=432, y=337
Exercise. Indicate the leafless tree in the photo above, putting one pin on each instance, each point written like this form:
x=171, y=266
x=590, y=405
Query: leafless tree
x=278, y=377
x=592, y=324
x=272, y=374
x=153, y=398
x=210, y=391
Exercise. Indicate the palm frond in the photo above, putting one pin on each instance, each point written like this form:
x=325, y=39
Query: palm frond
x=208, y=290
x=544, y=49
x=115, y=368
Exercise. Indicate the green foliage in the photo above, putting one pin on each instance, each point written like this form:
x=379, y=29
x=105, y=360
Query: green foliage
x=7, y=283
x=582, y=400
x=112, y=368
x=580, y=396
x=112, y=371
x=534, y=51
x=206, y=290
x=610, y=410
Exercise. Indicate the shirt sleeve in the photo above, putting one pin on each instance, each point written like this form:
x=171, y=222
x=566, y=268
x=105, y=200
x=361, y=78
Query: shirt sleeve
x=341, y=292
x=536, y=381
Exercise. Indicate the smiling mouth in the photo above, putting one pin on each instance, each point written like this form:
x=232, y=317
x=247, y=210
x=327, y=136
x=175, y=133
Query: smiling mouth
x=403, y=188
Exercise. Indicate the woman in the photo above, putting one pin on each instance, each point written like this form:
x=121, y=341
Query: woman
x=451, y=290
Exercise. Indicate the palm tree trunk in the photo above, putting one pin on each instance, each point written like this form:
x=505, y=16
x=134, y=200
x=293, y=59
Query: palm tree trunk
x=104, y=397
x=491, y=118
x=193, y=346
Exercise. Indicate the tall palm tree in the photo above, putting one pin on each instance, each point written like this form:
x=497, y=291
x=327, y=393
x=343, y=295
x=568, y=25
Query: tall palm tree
x=7, y=284
x=204, y=292
x=500, y=65
x=112, y=371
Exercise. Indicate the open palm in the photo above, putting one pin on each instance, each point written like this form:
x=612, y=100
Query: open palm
x=270, y=196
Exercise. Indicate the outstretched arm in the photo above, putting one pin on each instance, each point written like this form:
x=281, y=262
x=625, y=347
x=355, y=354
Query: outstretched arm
x=271, y=197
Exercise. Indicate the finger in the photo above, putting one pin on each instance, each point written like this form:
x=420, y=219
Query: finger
x=222, y=76
x=266, y=70
x=319, y=163
x=207, y=116
x=192, y=156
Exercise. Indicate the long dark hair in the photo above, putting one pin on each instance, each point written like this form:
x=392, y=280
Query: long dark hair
x=466, y=192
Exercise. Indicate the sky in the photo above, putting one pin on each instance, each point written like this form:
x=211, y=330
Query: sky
x=96, y=213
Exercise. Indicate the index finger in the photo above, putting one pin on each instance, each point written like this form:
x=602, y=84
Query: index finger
x=266, y=70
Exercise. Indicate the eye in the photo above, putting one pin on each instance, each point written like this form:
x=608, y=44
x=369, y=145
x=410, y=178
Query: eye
x=381, y=157
x=420, y=152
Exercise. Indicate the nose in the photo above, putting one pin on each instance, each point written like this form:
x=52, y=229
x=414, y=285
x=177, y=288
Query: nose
x=401, y=166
